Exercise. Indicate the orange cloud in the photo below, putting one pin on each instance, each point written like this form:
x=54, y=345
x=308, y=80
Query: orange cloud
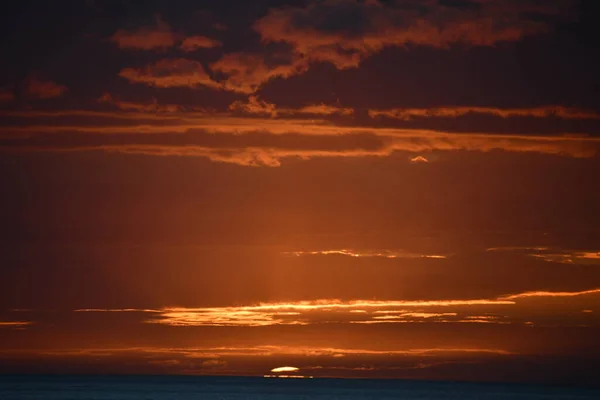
x=323, y=109
x=265, y=157
x=44, y=89
x=194, y=43
x=247, y=72
x=254, y=105
x=170, y=72
x=407, y=114
x=140, y=107
x=576, y=257
x=14, y=324
x=147, y=38
x=555, y=255
x=255, y=141
x=316, y=311
x=357, y=311
x=550, y=294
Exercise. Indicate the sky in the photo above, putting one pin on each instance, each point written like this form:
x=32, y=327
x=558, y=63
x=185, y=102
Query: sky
x=361, y=189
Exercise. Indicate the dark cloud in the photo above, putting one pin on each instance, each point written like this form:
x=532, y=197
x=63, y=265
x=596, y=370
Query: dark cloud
x=41, y=89
x=194, y=43
x=6, y=96
x=170, y=72
x=159, y=37
x=345, y=32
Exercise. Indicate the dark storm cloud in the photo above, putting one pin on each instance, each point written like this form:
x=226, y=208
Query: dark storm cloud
x=345, y=32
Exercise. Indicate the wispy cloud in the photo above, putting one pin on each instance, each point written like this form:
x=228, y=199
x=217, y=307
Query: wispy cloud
x=152, y=107
x=365, y=253
x=157, y=37
x=250, y=141
x=15, y=324
x=266, y=359
x=160, y=36
x=562, y=112
x=333, y=311
x=247, y=72
x=255, y=105
x=170, y=72
x=38, y=88
x=322, y=109
x=194, y=43
x=310, y=312
x=556, y=255
x=550, y=294
x=211, y=353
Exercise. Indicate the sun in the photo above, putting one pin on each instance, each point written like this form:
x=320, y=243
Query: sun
x=284, y=369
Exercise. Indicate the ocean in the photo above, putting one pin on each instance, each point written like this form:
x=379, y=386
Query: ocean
x=76, y=387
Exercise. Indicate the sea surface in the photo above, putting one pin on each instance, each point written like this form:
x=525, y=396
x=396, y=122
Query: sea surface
x=71, y=387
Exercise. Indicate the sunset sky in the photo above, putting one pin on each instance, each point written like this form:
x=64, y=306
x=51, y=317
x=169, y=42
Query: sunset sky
x=385, y=189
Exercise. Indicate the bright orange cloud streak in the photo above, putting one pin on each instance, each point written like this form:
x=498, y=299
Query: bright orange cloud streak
x=549, y=294
x=337, y=311
x=365, y=253
x=14, y=324
x=304, y=312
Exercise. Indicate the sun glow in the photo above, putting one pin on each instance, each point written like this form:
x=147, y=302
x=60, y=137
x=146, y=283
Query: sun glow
x=284, y=369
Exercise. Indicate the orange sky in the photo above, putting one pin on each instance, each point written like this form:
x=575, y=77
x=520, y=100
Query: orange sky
x=388, y=189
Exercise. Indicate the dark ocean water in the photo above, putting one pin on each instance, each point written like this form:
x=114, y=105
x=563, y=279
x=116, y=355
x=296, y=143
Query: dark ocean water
x=68, y=387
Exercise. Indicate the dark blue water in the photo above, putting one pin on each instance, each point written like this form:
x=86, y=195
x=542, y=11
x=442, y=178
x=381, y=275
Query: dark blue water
x=187, y=387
